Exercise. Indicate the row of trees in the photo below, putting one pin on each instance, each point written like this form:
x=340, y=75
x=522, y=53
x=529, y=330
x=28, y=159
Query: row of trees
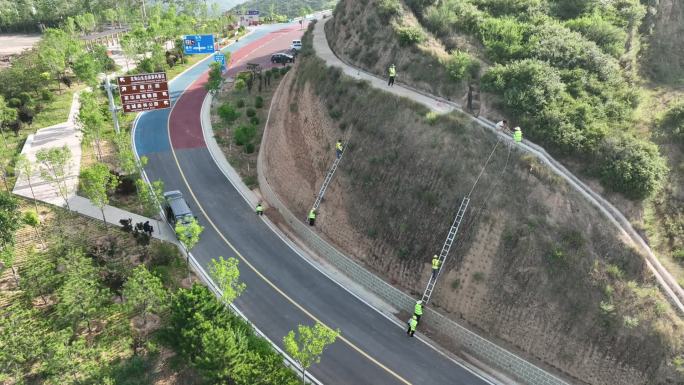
x=31, y=15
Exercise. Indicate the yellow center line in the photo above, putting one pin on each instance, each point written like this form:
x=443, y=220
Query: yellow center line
x=258, y=273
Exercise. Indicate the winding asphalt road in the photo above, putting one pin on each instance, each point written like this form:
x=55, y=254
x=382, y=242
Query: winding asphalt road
x=283, y=289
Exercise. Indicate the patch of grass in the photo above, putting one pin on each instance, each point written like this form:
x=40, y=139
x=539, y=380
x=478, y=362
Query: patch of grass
x=455, y=284
x=630, y=322
x=614, y=271
x=56, y=111
x=478, y=276
x=251, y=181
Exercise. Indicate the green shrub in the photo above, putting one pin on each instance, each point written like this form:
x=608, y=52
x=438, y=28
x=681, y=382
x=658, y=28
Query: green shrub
x=503, y=38
x=258, y=102
x=632, y=167
x=249, y=148
x=284, y=70
x=569, y=9
x=47, y=96
x=227, y=113
x=240, y=103
x=447, y=15
x=525, y=8
x=244, y=134
x=672, y=122
x=254, y=120
x=409, y=35
x=250, y=112
x=478, y=276
x=595, y=28
x=563, y=48
x=461, y=65
x=389, y=8
x=678, y=255
x=14, y=102
x=527, y=86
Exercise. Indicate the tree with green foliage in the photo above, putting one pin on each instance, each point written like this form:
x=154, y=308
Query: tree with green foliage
x=671, y=123
x=26, y=167
x=96, y=183
x=227, y=277
x=10, y=222
x=86, y=69
x=150, y=196
x=92, y=120
x=81, y=296
x=55, y=163
x=57, y=50
x=215, y=77
x=21, y=340
x=188, y=232
x=307, y=345
x=228, y=113
x=127, y=160
x=40, y=276
x=144, y=293
x=31, y=218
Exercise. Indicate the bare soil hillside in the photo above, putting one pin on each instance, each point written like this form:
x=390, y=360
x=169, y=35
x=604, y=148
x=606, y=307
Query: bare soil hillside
x=535, y=265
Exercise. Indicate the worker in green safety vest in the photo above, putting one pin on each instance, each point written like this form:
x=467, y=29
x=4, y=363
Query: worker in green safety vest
x=418, y=310
x=338, y=148
x=392, y=75
x=412, y=324
x=259, y=209
x=517, y=135
x=312, y=217
x=435, y=266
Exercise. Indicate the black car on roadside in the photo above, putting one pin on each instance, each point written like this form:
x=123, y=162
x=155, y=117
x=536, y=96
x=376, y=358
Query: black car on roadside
x=282, y=58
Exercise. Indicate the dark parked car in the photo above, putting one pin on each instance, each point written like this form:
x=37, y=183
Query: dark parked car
x=282, y=58
x=176, y=207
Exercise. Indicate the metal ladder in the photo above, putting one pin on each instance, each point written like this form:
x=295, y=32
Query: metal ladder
x=328, y=178
x=446, y=247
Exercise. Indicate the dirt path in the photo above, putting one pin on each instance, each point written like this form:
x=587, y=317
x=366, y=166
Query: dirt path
x=674, y=292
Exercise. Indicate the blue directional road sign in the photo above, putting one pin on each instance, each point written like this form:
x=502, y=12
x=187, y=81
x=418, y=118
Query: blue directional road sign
x=196, y=44
x=220, y=58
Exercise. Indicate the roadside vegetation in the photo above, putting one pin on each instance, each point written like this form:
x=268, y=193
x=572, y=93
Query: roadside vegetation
x=239, y=112
x=535, y=265
x=80, y=303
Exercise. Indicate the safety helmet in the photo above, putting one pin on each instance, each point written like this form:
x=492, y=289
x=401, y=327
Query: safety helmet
x=414, y=317
x=517, y=128
x=434, y=256
x=420, y=302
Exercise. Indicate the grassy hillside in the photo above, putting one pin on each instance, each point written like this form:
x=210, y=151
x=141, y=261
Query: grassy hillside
x=291, y=8
x=535, y=265
x=568, y=73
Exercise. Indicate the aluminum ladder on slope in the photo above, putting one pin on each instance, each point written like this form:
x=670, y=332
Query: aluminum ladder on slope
x=451, y=236
x=328, y=178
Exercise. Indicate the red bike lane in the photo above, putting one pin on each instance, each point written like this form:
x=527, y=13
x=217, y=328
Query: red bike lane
x=185, y=126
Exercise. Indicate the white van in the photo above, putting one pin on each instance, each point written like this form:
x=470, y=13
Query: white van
x=296, y=45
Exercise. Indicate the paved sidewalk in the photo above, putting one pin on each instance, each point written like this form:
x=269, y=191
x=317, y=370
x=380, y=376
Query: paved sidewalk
x=62, y=134
x=83, y=206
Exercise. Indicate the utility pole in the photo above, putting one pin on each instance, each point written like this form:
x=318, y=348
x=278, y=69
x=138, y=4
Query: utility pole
x=112, y=106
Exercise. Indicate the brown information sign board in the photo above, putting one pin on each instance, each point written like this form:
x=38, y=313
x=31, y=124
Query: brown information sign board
x=144, y=92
